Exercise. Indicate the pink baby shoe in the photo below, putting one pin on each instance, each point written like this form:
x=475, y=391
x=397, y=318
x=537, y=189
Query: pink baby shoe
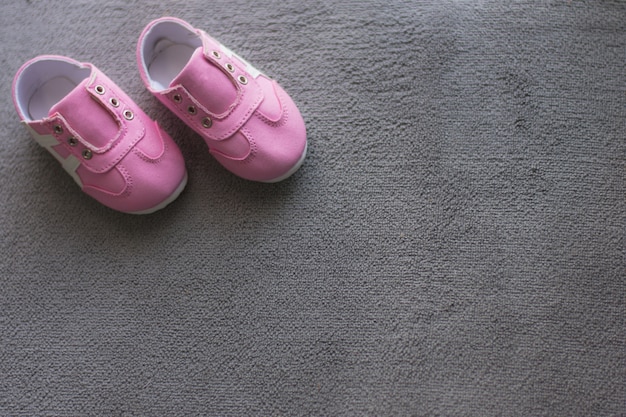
x=111, y=148
x=251, y=125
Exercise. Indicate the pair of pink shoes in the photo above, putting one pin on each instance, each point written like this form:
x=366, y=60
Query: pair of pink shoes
x=121, y=157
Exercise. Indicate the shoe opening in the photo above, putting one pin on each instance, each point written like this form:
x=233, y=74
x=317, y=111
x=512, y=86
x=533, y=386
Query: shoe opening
x=165, y=50
x=44, y=82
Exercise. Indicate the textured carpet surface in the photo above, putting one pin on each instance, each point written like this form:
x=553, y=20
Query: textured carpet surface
x=453, y=245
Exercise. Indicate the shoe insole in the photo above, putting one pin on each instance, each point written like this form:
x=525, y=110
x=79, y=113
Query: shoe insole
x=49, y=94
x=168, y=62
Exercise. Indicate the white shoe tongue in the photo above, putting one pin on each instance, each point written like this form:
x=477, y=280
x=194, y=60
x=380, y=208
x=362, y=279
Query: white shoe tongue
x=87, y=117
x=207, y=83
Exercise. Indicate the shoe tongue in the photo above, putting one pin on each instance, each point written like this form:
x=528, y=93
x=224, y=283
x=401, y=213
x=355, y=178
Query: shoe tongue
x=207, y=83
x=86, y=116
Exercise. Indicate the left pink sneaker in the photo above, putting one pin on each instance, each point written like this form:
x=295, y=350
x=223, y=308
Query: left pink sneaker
x=110, y=147
x=251, y=125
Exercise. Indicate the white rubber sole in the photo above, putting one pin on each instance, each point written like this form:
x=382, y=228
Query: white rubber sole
x=167, y=201
x=293, y=169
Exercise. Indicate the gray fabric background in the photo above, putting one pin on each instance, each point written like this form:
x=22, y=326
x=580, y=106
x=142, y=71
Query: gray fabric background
x=453, y=245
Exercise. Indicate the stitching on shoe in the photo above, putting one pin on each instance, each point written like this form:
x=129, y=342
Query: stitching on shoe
x=146, y=157
x=123, y=128
x=217, y=119
x=253, y=146
x=285, y=113
x=129, y=181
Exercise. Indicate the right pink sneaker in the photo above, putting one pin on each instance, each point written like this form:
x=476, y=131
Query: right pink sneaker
x=251, y=125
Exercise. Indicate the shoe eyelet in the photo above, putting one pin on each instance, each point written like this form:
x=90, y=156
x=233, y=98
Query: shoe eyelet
x=192, y=110
x=87, y=154
x=114, y=102
x=177, y=98
x=230, y=67
x=216, y=54
x=242, y=79
x=128, y=115
x=58, y=129
x=99, y=89
x=72, y=141
x=207, y=122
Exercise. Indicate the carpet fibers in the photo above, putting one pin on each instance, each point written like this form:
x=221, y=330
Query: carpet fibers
x=453, y=245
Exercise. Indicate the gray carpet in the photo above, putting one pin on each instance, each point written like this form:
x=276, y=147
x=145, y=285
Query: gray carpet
x=453, y=245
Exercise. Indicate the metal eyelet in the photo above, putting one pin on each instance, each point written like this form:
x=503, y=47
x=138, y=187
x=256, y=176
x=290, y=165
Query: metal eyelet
x=230, y=67
x=192, y=110
x=99, y=89
x=242, y=79
x=72, y=141
x=216, y=54
x=177, y=98
x=58, y=129
x=87, y=154
x=114, y=102
x=128, y=115
x=207, y=122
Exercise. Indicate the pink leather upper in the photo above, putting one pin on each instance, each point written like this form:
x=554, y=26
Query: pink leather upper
x=127, y=162
x=249, y=122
